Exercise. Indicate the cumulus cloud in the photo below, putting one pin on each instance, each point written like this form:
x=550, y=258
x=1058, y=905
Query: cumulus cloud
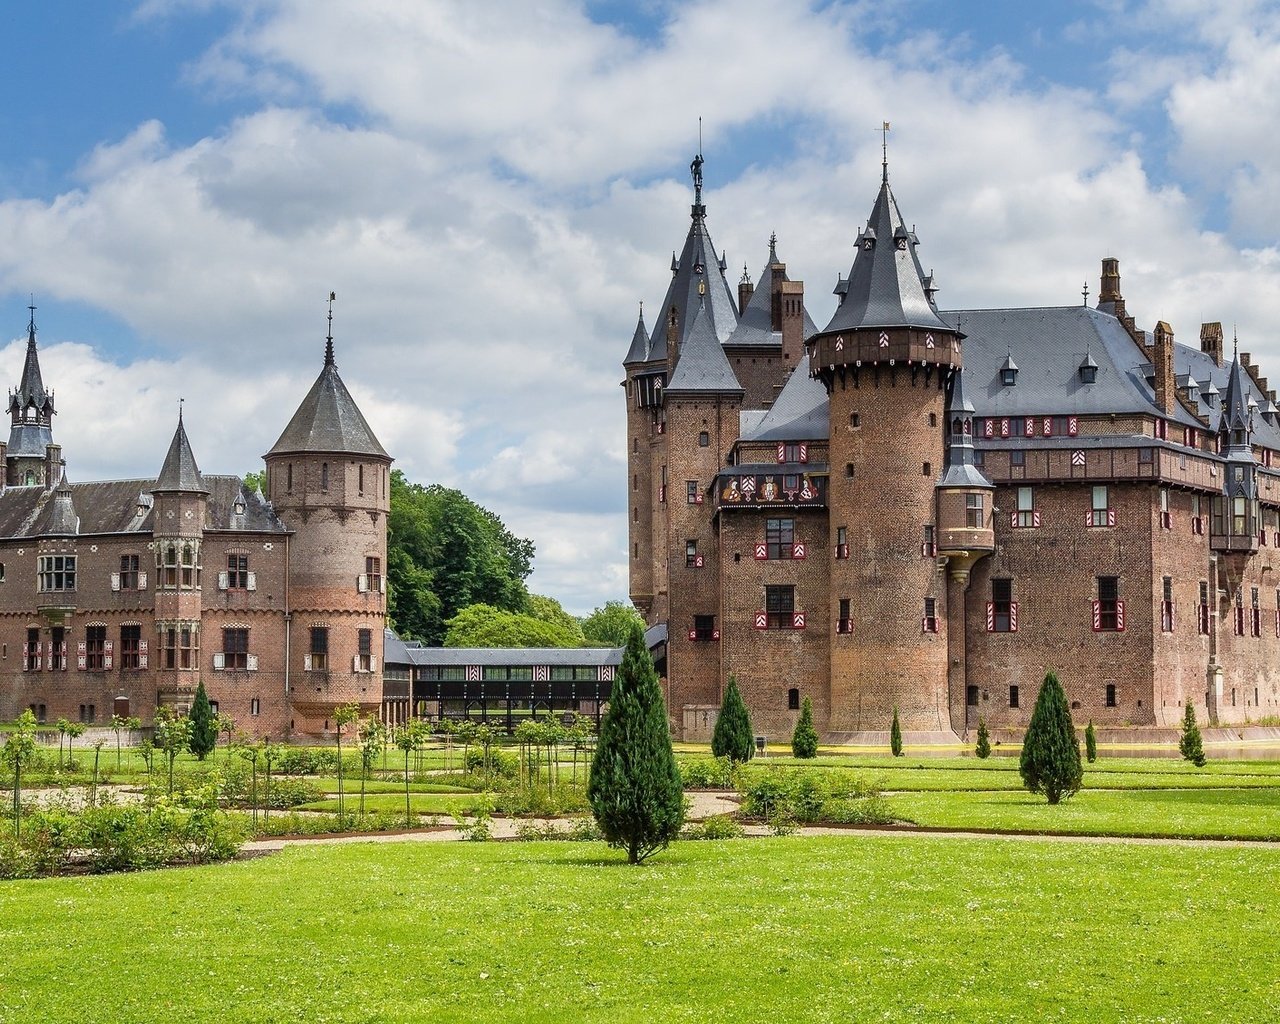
x=491, y=189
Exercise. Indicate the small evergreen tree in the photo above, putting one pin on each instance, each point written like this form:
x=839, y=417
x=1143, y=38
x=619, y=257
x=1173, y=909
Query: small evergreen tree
x=634, y=789
x=804, y=741
x=895, y=734
x=1191, y=746
x=983, y=749
x=733, y=737
x=1090, y=743
x=204, y=725
x=1050, y=762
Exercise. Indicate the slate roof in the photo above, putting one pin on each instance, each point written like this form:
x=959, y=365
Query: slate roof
x=702, y=364
x=514, y=655
x=125, y=506
x=62, y=517
x=800, y=411
x=960, y=469
x=31, y=388
x=755, y=322
x=639, y=350
x=885, y=286
x=29, y=439
x=179, y=471
x=328, y=420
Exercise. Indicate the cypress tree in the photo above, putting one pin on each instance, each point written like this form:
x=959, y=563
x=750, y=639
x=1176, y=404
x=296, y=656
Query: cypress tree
x=895, y=734
x=1090, y=743
x=733, y=737
x=1191, y=746
x=983, y=749
x=634, y=789
x=204, y=725
x=804, y=741
x=1050, y=762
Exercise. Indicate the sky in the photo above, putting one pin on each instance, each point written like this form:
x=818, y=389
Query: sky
x=493, y=188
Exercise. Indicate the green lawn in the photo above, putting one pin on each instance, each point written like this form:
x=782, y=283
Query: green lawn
x=419, y=803
x=845, y=929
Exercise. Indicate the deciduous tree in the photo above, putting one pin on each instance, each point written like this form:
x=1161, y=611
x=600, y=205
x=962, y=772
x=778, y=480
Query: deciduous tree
x=1050, y=762
x=634, y=789
x=610, y=625
x=482, y=625
x=19, y=749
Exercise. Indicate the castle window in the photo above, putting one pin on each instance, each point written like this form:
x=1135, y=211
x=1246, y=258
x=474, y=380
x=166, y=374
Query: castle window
x=848, y=470
x=1002, y=611
x=324, y=476
x=779, y=536
x=190, y=571
x=318, y=658
x=842, y=542
x=58, y=650
x=929, y=548
x=1146, y=456
x=1111, y=695
x=1239, y=517
x=929, y=624
x=1100, y=513
x=235, y=649
x=844, y=624
x=131, y=647
x=31, y=653
x=360, y=478
x=974, y=517
x=855, y=421
x=88, y=713
x=635, y=481
x=237, y=572
x=1017, y=457
x=971, y=696
x=364, y=651
x=793, y=699
x=704, y=439
x=1, y=572
x=691, y=495
x=1013, y=696
x=128, y=572
x=1026, y=515
x=1255, y=614
x=1166, y=606
x=927, y=469
x=288, y=485
x=57, y=573
x=691, y=554
x=95, y=648
x=933, y=419
x=255, y=707
x=31, y=479
x=1166, y=516
x=780, y=606
x=373, y=574
x=1108, y=609
x=704, y=627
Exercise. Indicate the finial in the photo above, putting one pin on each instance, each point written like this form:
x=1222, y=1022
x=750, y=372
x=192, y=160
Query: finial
x=746, y=275
x=884, y=153
x=31, y=327
x=328, y=342
x=1235, y=342
x=180, y=401
x=1085, y=292
x=773, y=247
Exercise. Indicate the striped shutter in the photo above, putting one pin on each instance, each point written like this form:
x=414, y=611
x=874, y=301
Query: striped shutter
x=782, y=452
x=63, y=652
x=143, y=657
x=1073, y=426
x=761, y=620
x=1047, y=429
x=82, y=655
x=697, y=561
x=804, y=453
x=1004, y=427
x=115, y=581
x=142, y=581
x=541, y=673
x=1029, y=427
x=306, y=663
x=251, y=662
x=1013, y=520
x=26, y=657
x=762, y=551
x=40, y=654
x=988, y=427
x=991, y=616
x=1111, y=517
x=473, y=673
x=798, y=550
x=606, y=673
x=797, y=620
x=1013, y=616
x=108, y=654
x=1120, y=616
x=1097, y=616
x=1035, y=518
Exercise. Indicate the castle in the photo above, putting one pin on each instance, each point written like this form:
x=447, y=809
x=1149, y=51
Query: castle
x=925, y=510
x=118, y=597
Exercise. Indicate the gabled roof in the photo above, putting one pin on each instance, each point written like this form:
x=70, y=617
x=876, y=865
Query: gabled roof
x=328, y=420
x=180, y=472
x=799, y=413
x=885, y=287
x=698, y=265
x=702, y=364
x=755, y=323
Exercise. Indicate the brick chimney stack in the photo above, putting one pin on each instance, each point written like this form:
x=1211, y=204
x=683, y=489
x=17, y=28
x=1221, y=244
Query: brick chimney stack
x=791, y=295
x=1211, y=341
x=1162, y=357
x=745, y=290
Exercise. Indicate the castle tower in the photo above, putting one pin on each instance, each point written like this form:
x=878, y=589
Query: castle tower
x=31, y=457
x=885, y=359
x=179, y=512
x=328, y=479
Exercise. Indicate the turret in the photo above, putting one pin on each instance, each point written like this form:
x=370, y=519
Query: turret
x=31, y=412
x=965, y=514
x=1234, y=523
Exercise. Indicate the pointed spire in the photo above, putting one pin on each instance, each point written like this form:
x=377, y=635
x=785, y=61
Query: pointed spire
x=639, y=350
x=63, y=519
x=961, y=469
x=180, y=472
x=31, y=388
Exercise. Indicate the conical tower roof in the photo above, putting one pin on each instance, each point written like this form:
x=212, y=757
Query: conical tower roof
x=697, y=279
x=180, y=472
x=31, y=388
x=702, y=365
x=961, y=469
x=328, y=420
x=885, y=287
x=1235, y=405
x=639, y=350
x=63, y=519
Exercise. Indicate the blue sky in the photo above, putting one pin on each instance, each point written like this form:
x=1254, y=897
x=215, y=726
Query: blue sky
x=492, y=188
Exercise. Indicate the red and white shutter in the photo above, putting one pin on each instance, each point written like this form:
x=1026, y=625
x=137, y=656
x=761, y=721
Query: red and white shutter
x=797, y=620
x=697, y=561
x=693, y=634
x=804, y=453
x=26, y=657
x=1013, y=520
x=782, y=453
x=1111, y=517
x=1013, y=616
x=108, y=653
x=761, y=620
x=62, y=650
x=988, y=427
x=1047, y=428
x=1029, y=427
x=82, y=655
x=40, y=654
x=991, y=616
x=1120, y=616
x=1073, y=426
x=115, y=581
x=143, y=657
x=142, y=581
x=1097, y=616
x=798, y=550
x=1035, y=518
x=1004, y=427
x=762, y=551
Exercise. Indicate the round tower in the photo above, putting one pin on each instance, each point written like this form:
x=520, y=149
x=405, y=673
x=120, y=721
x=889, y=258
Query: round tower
x=328, y=479
x=885, y=359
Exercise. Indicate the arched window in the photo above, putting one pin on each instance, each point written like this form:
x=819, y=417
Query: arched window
x=288, y=485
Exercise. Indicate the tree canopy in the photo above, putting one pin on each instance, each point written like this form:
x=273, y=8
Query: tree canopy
x=611, y=625
x=482, y=625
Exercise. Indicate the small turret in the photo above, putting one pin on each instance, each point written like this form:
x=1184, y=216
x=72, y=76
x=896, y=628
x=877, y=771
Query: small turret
x=31, y=412
x=965, y=514
x=1234, y=523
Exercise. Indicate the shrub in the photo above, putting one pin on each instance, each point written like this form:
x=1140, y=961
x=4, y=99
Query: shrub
x=804, y=741
x=983, y=749
x=706, y=773
x=307, y=761
x=1191, y=745
x=1090, y=743
x=895, y=734
x=733, y=737
x=718, y=826
x=871, y=810
x=204, y=725
x=1050, y=762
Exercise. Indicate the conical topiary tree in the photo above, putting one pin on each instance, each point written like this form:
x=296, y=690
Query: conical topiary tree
x=1050, y=762
x=1090, y=743
x=895, y=734
x=204, y=725
x=983, y=749
x=1191, y=745
x=635, y=789
x=733, y=737
x=804, y=741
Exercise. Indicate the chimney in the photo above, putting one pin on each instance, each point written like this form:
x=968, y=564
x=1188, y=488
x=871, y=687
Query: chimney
x=777, y=278
x=673, y=340
x=1163, y=358
x=791, y=304
x=52, y=465
x=1109, y=298
x=1211, y=341
x=745, y=290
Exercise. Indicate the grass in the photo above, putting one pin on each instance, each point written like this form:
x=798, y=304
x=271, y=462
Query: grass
x=419, y=803
x=806, y=929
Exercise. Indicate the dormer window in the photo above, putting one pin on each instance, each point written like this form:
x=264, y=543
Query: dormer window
x=1088, y=371
x=238, y=508
x=869, y=238
x=1009, y=372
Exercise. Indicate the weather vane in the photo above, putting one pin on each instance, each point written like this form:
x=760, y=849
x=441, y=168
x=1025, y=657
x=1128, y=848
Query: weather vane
x=884, y=150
